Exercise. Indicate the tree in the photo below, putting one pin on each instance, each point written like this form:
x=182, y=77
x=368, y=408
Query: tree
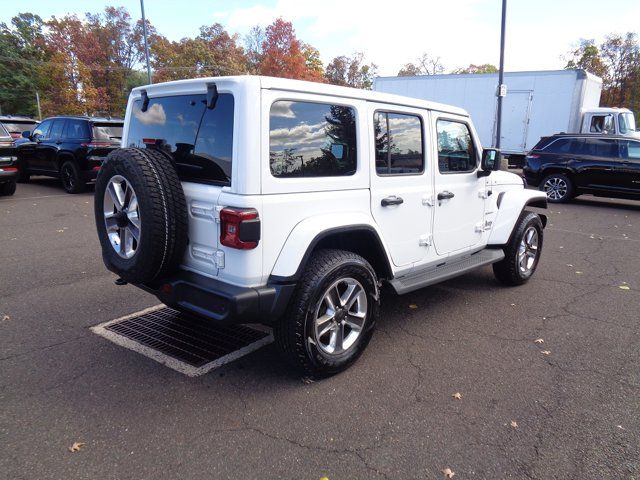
x=351, y=72
x=253, y=49
x=425, y=65
x=586, y=56
x=282, y=54
x=312, y=59
x=472, y=68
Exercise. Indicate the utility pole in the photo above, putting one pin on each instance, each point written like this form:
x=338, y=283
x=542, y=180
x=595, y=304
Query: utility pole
x=38, y=104
x=146, y=44
x=502, y=89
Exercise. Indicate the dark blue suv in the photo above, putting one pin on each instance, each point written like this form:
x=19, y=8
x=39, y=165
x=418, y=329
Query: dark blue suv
x=566, y=165
x=69, y=148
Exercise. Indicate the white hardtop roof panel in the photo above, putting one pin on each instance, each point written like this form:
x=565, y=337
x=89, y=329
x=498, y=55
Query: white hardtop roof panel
x=299, y=86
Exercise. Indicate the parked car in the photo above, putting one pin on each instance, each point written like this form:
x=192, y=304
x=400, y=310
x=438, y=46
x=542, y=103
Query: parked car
x=69, y=148
x=8, y=166
x=289, y=203
x=17, y=124
x=566, y=165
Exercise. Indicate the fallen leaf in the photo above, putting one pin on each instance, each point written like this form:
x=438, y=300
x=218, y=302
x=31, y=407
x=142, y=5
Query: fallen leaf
x=60, y=231
x=621, y=427
x=569, y=265
x=546, y=352
x=578, y=273
x=324, y=478
x=561, y=247
x=457, y=396
x=5, y=318
x=448, y=473
x=514, y=424
x=76, y=447
x=513, y=304
x=539, y=340
x=624, y=287
x=413, y=306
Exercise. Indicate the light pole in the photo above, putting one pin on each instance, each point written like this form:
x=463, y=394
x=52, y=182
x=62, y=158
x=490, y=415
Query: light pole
x=146, y=44
x=502, y=89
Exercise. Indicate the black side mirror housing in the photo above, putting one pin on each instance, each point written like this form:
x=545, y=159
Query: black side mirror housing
x=26, y=134
x=491, y=160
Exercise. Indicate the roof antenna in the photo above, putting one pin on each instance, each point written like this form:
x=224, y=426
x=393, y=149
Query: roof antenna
x=145, y=100
x=212, y=95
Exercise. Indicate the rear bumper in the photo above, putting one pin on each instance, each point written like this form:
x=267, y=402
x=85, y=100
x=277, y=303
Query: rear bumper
x=220, y=301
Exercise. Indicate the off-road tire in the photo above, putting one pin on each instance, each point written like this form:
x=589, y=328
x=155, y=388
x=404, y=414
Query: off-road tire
x=570, y=189
x=8, y=188
x=507, y=270
x=294, y=332
x=71, y=177
x=163, y=214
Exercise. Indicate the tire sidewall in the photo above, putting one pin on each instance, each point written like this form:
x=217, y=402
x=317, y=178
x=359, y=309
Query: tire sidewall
x=327, y=363
x=76, y=173
x=528, y=221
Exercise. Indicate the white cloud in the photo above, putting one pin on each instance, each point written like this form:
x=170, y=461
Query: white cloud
x=153, y=116
x=282, y=109
x=299, y=135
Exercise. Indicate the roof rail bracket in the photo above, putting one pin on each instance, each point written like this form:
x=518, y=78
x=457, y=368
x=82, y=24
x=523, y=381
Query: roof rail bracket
x=145, y=100
x=212, y=95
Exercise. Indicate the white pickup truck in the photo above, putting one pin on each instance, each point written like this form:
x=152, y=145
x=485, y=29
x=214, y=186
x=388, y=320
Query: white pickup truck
x=289, y=203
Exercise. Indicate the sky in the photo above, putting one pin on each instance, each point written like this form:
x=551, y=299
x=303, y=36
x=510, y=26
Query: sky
x=391, y=33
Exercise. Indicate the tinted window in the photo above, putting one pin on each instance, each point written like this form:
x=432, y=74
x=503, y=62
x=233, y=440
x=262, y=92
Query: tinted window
x=107, y=132
x=630, y=149
x=312, y=140
x=399, y=143
x=600, y=148
x=42, y=130
x=563, y=145
x=56, y=129
x=77, y=130
x=456, y=151
x=19, y=127
x=199, y=139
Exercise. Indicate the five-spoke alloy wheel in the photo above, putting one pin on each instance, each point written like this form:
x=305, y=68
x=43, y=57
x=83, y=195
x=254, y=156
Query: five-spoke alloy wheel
x=122, y=216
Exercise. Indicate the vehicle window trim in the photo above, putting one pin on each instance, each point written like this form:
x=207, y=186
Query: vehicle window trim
x=422, y=143
x=473, y=141
x=319, y=102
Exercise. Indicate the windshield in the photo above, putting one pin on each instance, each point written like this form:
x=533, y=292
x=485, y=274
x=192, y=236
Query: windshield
x=107, y=132
x=626, y=122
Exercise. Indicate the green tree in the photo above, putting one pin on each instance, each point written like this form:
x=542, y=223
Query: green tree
x=424, y=65
x=351, y=71
x=472, y=68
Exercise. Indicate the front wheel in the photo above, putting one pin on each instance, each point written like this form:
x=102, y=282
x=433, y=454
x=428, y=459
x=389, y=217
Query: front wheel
x=71, y=177
x=522, y=253
x=332, y=314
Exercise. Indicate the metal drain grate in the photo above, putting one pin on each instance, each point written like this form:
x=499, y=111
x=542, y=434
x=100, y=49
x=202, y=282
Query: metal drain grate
x=186, y=343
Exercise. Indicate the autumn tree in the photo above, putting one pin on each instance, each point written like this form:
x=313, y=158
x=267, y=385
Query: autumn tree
x=253, y=49
x=282, y=54
x=424, y=65
x=351, y=71
x=473, y=68
x=586, y=56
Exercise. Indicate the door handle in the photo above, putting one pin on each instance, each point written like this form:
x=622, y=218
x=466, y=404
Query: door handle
x=446, y=195
x=392, y=200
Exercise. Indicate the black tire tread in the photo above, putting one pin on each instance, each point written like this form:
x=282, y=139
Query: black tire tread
x=506, y=270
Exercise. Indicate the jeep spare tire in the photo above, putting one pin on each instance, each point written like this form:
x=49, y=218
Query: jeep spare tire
x=141, y=214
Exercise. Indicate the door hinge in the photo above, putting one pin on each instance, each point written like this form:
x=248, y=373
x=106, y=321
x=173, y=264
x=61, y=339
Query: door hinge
x=428, y=200
x=484, y=194
x=425, y=240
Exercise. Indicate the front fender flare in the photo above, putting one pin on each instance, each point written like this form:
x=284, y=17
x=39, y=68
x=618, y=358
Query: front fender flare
x=510, y=206
x=307, y=233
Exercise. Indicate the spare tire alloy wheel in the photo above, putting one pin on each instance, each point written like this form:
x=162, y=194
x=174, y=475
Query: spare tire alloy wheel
x=122, y=216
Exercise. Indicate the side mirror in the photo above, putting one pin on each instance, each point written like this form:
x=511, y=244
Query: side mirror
x=26, y=134
x=490, y=161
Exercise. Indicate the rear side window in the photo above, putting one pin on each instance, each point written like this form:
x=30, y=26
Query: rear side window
x=630, y=149
x=200, y=140
x=563, y=145
x=106, y=132
x=399, y=143
x=600, y=148
x=456, y=151
x=76, y=130
x=312, y=140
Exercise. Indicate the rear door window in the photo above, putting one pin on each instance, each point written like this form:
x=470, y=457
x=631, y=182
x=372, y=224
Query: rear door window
x=200, y=140
x=598, y=147
x=76, y=130
x=399, y=143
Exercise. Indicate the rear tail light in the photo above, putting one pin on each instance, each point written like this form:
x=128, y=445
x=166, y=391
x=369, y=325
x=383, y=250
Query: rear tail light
x=239, y=228
x=8, y=169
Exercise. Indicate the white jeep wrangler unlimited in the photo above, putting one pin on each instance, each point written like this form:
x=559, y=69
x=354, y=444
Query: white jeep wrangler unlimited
x=289, y=203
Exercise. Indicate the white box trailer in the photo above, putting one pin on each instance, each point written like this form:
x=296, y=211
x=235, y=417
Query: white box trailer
x=537, y=104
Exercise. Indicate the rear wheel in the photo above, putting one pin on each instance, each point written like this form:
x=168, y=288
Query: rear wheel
x=332, y=314
x=522, y=254
x=71, y=177
x=558, y=187
x=8, y=188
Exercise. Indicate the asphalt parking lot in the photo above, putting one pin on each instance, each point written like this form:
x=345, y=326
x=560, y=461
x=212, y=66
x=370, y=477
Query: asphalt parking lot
x=575, y=410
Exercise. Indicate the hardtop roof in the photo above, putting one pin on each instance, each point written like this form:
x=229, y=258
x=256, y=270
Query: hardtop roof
x=301, y=86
